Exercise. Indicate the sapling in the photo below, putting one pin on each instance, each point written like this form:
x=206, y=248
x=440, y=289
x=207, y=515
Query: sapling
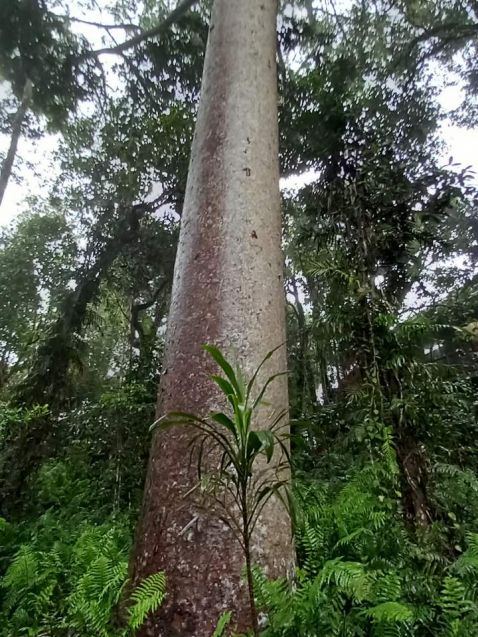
x=243, y=480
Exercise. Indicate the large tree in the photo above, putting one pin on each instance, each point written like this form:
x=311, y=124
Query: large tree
x=228, y=290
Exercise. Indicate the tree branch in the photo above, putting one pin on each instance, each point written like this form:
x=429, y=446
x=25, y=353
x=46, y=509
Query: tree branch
x=145, y=35
x=7, y=165
x=446, y=33
x=100, y=25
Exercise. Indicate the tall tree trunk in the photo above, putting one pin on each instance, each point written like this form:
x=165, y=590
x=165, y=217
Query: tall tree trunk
x=227, y=290
x=322, y=361
x=16, y=132
x=48, y=373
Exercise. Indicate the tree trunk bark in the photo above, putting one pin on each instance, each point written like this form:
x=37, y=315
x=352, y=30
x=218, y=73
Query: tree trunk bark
x=16, y=132
x=227, y=290
x=414, y=472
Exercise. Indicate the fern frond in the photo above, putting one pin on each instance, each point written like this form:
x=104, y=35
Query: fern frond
x=453, y=598
x=222, y=624
x=467, y=476
x=147, y=598
x=391, y=612
x=23, y=571
x=350, y=577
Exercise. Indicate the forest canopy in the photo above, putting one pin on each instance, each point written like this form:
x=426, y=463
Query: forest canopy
x=378, y=471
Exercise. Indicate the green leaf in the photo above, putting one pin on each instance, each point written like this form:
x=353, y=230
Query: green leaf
x=225, y=421
x=389, y=612
x=222, y=624
x=266, y=385
x=266, y=439
x=147, y=598
x=226, y=388
x=253, y=444
x=250, y=384
x=176, y=418
x=226, y=368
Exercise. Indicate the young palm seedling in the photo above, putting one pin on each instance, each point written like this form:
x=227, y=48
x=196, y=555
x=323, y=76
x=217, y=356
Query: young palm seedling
x=242, y=479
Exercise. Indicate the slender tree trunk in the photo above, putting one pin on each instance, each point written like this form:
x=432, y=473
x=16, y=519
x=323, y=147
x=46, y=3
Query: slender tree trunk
x=227, y=290
x=414, y=471
x=7, y=165
x=306, y=384
x=47, y=377
x=321, y=360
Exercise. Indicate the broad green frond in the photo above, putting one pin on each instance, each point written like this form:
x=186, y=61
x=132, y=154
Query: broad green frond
x=146, y=598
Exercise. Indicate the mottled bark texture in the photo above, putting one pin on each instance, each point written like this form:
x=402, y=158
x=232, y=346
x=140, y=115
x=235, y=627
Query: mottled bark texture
x=228, y=290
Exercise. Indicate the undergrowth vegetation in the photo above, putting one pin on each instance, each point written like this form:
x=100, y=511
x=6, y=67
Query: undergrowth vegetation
x=64, y=553
x=362, y=572
x=362, y=567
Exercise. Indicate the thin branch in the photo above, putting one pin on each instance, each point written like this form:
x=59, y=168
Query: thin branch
x=145, y=35
x=337, y=19
x=7, y=165
x=281, y=67
x=100, y=25
x=147, y=304
x=447, y=33
x=135, y=71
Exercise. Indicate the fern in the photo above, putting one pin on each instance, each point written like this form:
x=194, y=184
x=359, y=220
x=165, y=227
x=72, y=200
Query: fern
x=21, y=578
x=222, y=624
x=147, y=598
x=311, y=540
x=388, y=586
x=453, y=598
x=71, y=583
x=389, y=612
x=467, y=564
x=23, y=571
x=388, y=451
x=96, y=593
x=351, y=578
x=454, y=471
